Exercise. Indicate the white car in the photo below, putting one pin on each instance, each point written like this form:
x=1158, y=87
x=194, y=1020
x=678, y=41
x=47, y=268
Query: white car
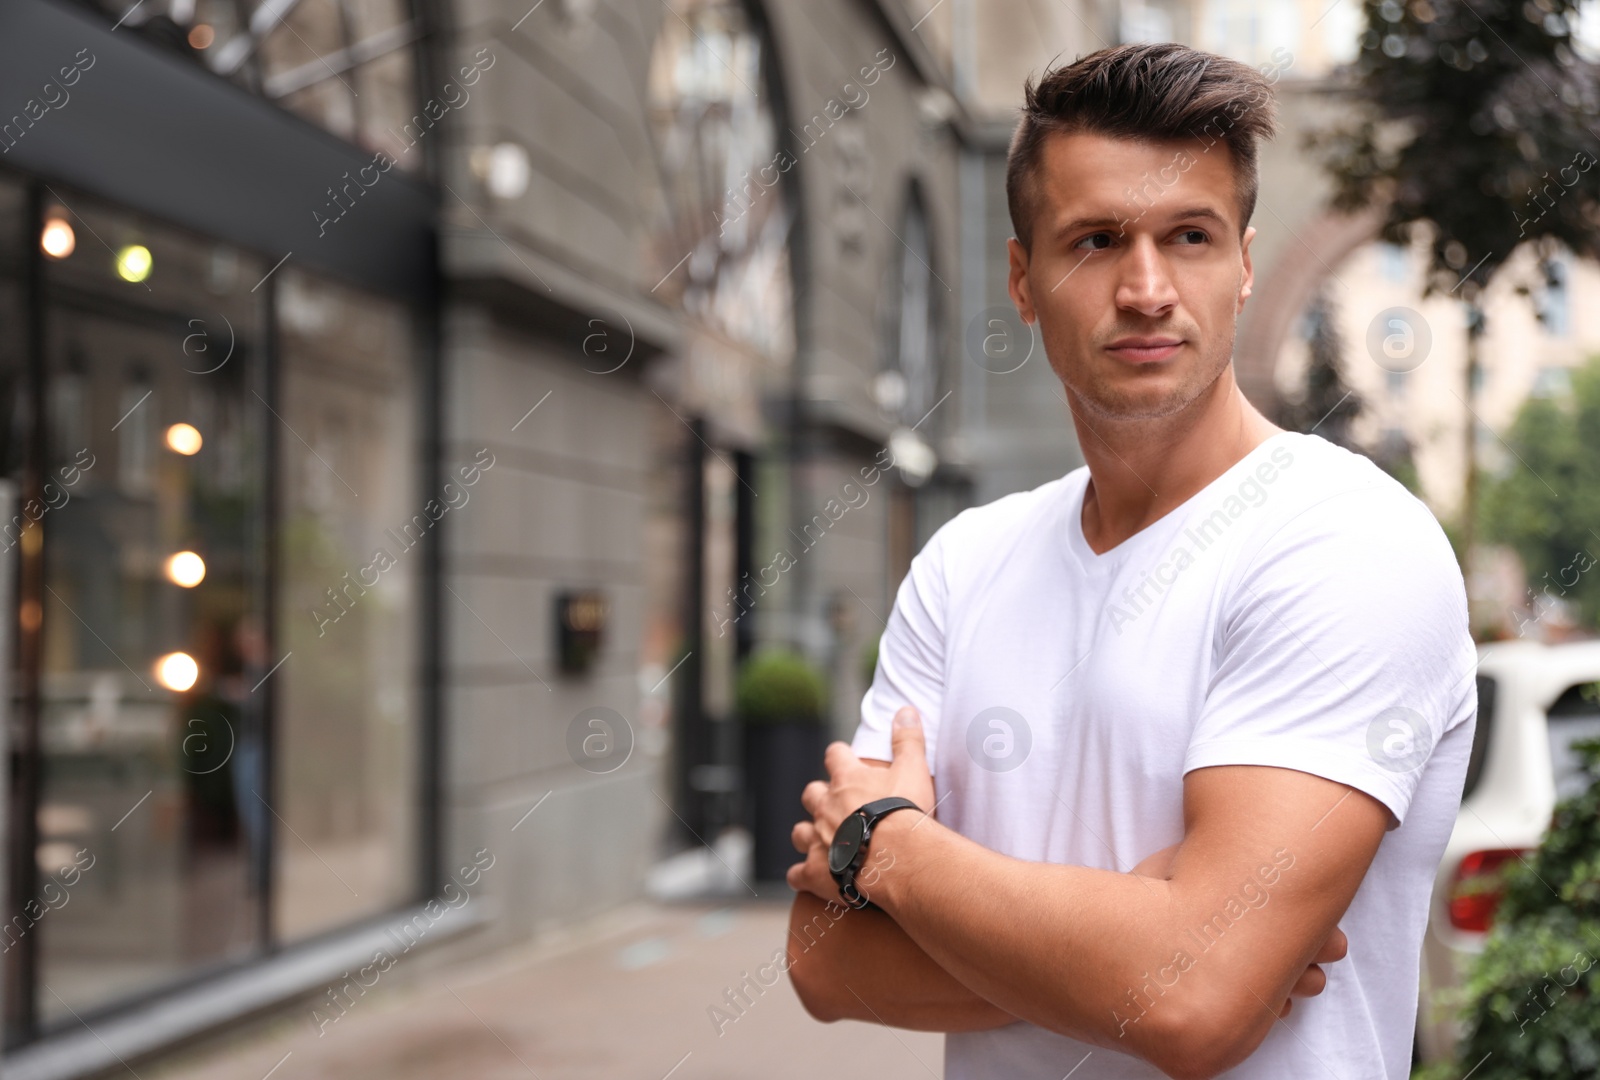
x=1534, y=701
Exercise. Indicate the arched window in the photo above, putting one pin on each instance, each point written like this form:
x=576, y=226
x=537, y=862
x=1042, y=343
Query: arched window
x=908, y=381
x=721, y=244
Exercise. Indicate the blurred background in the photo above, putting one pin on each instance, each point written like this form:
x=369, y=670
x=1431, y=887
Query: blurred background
x=460, y=455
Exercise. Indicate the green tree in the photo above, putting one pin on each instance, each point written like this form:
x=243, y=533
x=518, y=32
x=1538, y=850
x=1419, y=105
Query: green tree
x=1531, y=999
x=1476, y=120
x=1547, y=504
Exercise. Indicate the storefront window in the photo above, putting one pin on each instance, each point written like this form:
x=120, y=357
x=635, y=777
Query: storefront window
x=211, y=781
x=151, y=542
x=351, y=542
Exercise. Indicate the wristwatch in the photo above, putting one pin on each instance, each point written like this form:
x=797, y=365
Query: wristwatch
x=849, y=848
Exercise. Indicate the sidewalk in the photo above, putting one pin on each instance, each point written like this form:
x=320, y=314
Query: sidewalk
x=632, y=1001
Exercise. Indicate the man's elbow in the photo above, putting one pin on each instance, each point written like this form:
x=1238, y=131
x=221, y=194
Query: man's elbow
x=817, y=992
x=1205, y=1040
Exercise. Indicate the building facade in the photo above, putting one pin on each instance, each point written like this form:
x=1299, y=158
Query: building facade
x=417, y=411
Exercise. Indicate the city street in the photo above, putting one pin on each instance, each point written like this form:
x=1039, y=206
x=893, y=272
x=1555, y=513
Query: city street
x=632, y=998
x=465, y=463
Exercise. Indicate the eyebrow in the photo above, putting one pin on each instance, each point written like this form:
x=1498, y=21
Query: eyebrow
x=1201, y=212
x=1091, y=223
x=1189, y=214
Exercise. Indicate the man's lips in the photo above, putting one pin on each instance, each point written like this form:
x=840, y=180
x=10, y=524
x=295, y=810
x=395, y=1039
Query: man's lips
x=1144, y=350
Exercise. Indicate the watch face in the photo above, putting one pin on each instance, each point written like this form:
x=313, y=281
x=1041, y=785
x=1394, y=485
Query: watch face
x=846, y=842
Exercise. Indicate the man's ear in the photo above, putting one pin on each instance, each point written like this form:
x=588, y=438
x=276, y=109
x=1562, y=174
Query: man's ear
x=1017, y=284
x=1247, y=282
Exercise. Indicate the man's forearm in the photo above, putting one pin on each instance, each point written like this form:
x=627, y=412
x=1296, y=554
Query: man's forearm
x=1053, y=976
x=1135, y=961
x=858, y=965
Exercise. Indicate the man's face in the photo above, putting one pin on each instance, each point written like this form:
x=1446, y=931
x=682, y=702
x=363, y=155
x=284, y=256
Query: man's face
x=1137, y=271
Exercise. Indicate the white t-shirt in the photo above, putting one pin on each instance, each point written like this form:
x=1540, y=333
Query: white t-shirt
x=1302, y=611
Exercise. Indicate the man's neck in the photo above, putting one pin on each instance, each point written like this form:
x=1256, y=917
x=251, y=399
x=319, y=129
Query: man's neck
x=1140, y=471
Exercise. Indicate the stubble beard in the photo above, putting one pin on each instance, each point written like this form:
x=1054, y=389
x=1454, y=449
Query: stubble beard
x=1111, y=400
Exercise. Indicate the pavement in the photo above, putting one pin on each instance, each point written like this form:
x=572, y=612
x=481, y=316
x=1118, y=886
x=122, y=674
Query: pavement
x=630, y=996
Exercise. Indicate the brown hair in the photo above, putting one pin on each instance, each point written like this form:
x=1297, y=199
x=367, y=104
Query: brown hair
x=1154, y=92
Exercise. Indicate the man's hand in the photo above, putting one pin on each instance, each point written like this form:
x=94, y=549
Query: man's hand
x=854, y=782
x=1313, y=979
x=851, y=784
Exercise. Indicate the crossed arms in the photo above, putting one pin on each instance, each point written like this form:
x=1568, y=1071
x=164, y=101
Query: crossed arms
x=969, y=939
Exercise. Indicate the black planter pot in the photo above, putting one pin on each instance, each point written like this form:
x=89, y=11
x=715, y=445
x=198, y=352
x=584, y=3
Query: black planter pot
x=779, y=761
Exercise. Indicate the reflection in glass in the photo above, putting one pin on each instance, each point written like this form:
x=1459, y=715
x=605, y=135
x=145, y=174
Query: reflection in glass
x=353, y=522
x=150, y=738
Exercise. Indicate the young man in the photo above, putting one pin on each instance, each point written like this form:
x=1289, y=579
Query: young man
x=1191, y=708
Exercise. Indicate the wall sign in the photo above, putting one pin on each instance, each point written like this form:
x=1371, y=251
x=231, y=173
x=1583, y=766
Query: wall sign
x=580, y=629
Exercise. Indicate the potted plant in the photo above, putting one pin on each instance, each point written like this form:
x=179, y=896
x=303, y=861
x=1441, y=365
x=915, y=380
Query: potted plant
x=782, y=703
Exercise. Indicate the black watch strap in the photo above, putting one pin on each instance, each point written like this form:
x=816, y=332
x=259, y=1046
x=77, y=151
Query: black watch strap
x=878, y=808
x=870, y=813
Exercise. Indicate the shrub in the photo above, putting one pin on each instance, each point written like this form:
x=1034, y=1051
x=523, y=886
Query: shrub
x=778, y=686
x=1532, y=1000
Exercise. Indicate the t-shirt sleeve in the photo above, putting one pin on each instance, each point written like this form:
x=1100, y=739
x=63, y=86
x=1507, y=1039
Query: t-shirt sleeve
x=1343, y=649
x=910, y=667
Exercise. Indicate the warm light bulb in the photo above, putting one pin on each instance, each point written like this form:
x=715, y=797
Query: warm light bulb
x=134, y=262
x=186, y=569
x=177, y=671
x=185, y=439
x=201, y=36
x=58, y=240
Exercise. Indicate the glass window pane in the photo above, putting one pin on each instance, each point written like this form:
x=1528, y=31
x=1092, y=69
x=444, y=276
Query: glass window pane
x=153, y=625
x=301, y=44
x=1574, y=716
x=353, y=522
x=391, y=104
x=327, y=104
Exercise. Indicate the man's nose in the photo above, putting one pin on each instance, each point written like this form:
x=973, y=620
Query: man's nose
x=1145, y=285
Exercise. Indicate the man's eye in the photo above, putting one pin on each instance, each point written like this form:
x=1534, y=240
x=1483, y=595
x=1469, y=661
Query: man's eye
x=1189, y=234
x=1094, y=242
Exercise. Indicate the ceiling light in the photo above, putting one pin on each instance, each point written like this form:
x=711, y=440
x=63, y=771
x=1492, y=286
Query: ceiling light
x=177, y=671
x=134, y=262
x=186, y=569
x=185, y=439
x=58, y=240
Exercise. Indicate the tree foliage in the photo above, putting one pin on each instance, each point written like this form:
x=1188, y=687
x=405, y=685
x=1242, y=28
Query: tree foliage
x=1547, y=505
x=1478, y=117
x=1533, y=998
